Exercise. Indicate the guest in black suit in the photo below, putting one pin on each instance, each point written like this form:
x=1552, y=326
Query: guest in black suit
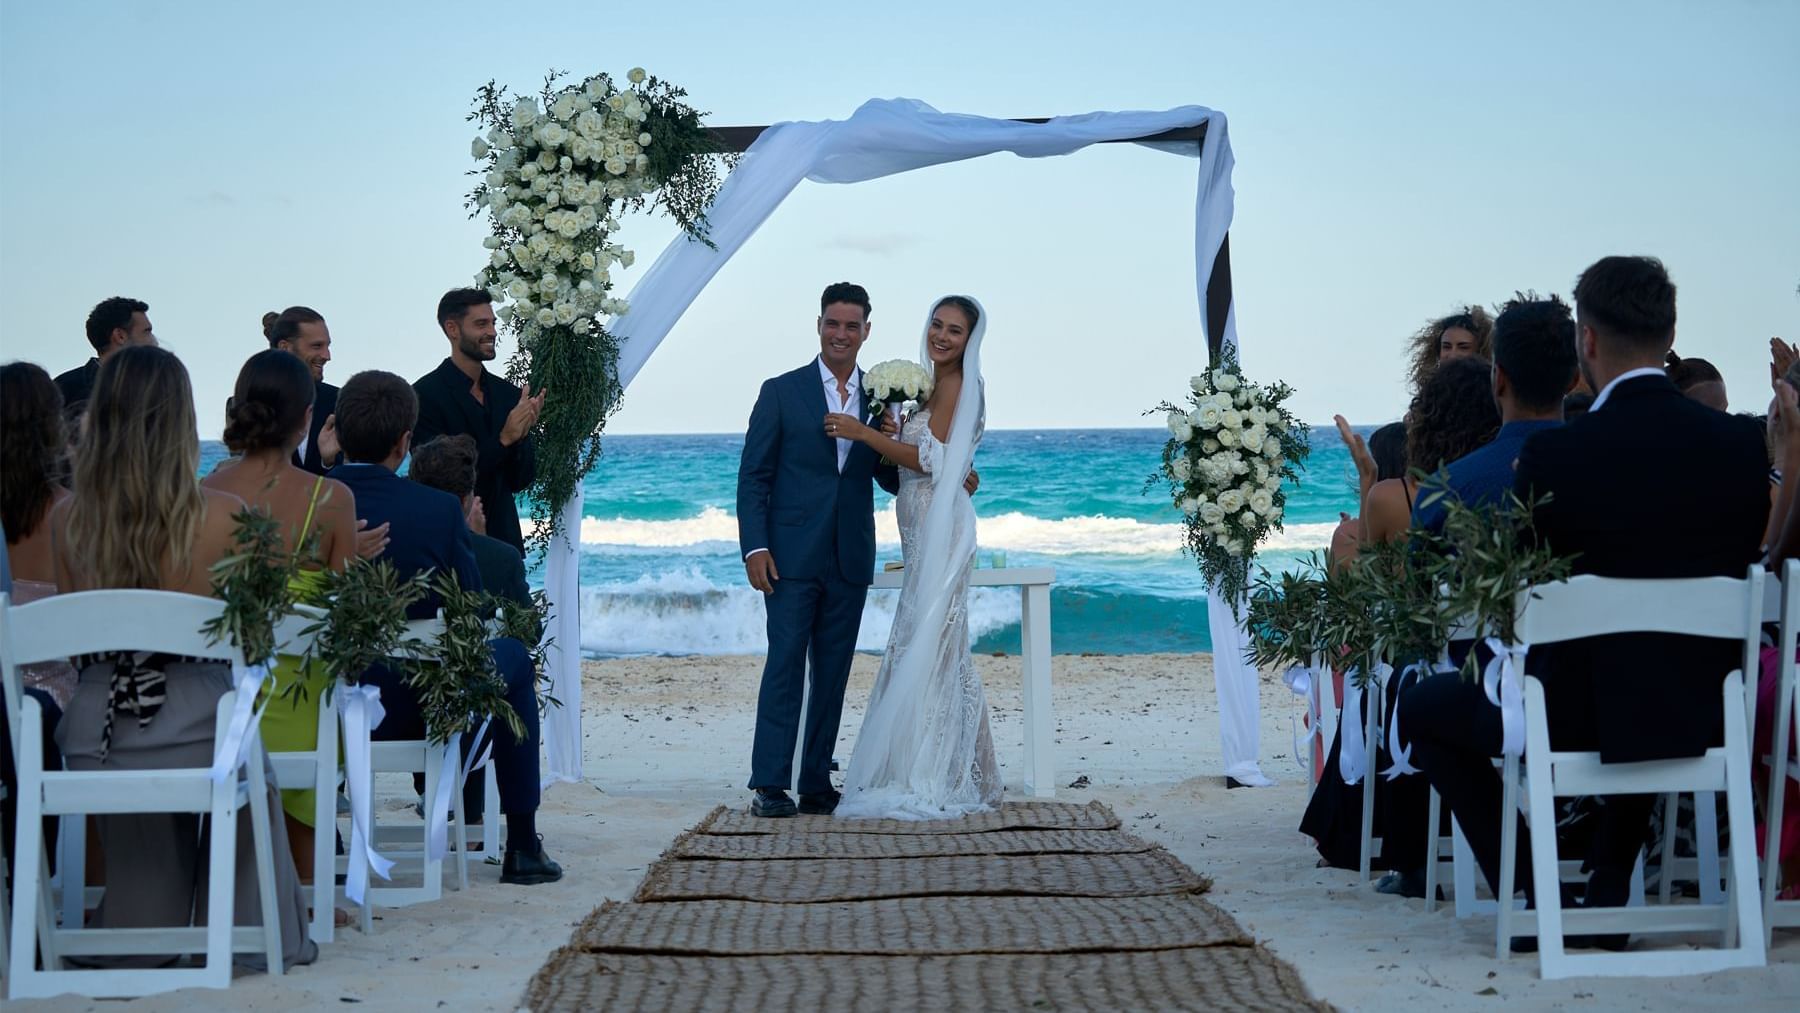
x=448, y=465
x=302, y=332
x=1642, y=459
x=114, y=324
x=461, y=396
x=429, y=533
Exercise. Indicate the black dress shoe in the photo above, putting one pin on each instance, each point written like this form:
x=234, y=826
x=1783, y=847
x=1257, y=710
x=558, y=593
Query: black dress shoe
x=529, y=867
x=820, y=805
x=771, y=802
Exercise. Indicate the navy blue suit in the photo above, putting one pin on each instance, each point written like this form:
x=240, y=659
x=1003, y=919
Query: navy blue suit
x=427, y=532
x=818, y=525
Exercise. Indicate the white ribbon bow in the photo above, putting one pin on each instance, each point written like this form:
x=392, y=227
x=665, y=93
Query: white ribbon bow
x=1401, y=756
x=1501, y=681
x=451, y=778
x=360, y=712
x=1299, y=678
x=1352, y=763
x=231, y=752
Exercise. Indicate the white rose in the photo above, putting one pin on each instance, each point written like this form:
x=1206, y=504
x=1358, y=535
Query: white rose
x=524, y=113
x=1234, y=546
x=1225, y=381
x=1238, y=465
x=565, y=163
x=1261, y=502
x=1179, y=427
x=1231, y=418
x=1228, y=438
x=1271, y=447
x=1206, y=417
x=1275, y=515
x=636, y=75
x=1231, y=501
x=1253, y=436
x=617, y=165
x=627, y=258
x=1181, y=469
x=491, y=243
x=1211, y=514
x=546, y=317
x=616, y=103
x=565, y=313
x=1248, y=520
x=643, y=140
x=1242, y=398
x=1198, y=383
x=1209, y=445
x=615, y=189
x=478, y=148
x=1190, y=506
x=595, y=89
x=519, y=290
x=587, y=261
x=564, y=109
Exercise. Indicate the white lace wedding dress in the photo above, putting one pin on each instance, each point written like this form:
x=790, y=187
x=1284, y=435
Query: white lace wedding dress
x=925, y=751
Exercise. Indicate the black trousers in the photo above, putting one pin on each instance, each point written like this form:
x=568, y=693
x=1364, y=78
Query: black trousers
x=515, y=757
x=1456, y=733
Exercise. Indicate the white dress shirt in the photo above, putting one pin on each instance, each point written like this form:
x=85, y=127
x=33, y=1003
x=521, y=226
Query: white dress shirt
x=850, y=406
x=1630, y=374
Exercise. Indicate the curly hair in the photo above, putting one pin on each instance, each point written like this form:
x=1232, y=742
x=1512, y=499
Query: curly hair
x=1425, y=341
x=1453, y=415
x=31, y=446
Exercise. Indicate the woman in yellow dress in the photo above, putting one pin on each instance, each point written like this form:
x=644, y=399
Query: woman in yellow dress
x=270, y=414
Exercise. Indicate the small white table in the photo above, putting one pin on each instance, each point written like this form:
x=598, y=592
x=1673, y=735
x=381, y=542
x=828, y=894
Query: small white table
x=1033, y=583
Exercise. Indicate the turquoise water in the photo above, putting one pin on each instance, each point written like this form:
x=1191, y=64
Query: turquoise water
x=660, y=572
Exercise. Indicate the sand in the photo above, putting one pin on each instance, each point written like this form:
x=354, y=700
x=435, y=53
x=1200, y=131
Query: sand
x=669, y=738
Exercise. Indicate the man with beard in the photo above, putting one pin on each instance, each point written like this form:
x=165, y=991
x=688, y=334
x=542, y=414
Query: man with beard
x=462, y=397
x=301, y=332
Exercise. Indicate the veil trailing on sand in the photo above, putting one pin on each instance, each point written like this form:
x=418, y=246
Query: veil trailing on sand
x=918, y=754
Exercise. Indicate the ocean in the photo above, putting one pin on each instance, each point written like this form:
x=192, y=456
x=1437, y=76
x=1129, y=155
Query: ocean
x=660, y=572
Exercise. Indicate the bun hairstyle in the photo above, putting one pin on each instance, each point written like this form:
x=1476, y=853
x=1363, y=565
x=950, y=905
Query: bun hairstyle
x=285, y=326
x=269, y=319
x=274, y=390
x=1686, y=373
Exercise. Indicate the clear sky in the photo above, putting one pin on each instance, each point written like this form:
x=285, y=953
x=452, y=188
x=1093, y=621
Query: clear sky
x=1393, y=160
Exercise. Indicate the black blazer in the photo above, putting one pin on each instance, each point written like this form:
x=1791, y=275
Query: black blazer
x=1652, y=485
x=791, y=499
x=324, y=403
x=76, y=386
x=427, y=530
x=447, y=408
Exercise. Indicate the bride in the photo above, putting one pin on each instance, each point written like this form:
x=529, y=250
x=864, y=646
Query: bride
x=925, y=751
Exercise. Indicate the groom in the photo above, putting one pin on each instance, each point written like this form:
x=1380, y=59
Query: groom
x=806, y=527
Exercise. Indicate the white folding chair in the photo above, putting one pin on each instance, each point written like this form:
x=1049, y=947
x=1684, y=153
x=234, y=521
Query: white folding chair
x=316, y=768
x=405, y=845
x=1322, y=706
x=58, y=628
x=1588, y=606
x=1782, y=766
x=1374, y=699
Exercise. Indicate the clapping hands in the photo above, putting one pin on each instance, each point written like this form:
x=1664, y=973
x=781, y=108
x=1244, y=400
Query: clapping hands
x=1366, y=470
x=523, y=416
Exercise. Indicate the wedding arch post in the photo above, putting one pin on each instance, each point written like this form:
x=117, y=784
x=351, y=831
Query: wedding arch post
x=882, y=138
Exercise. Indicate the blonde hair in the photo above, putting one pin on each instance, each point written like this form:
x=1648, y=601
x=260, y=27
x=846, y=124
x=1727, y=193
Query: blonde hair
x=137, y=502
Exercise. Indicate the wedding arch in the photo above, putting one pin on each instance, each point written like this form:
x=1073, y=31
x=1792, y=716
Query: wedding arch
x=883, y=138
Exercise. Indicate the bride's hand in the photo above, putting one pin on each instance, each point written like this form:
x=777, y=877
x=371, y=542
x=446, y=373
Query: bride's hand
x=839, y=426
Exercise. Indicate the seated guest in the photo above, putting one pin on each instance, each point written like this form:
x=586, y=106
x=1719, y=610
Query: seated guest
x=1697, y=379
x=31, y=449
x=376, y=415
x=139, y=518
x=271, y=409
x=1642, y=455
x=114, y=324
x=1453, y=415
x=1387, y=448
x=1463, y=333
x=1534, y=367
x=448, y=465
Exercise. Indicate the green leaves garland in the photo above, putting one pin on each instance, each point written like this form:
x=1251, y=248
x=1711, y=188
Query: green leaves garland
x=364, y=622
x=253, y=584
x=456, y=682
x=557, y=170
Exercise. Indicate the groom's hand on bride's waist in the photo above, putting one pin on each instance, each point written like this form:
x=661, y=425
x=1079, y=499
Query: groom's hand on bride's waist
x=973, y=482
x=759, y=566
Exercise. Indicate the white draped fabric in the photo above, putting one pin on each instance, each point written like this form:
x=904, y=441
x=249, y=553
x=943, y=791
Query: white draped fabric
x=882, y=138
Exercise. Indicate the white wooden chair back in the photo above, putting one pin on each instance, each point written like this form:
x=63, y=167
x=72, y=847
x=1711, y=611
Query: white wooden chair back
x=1783, y=767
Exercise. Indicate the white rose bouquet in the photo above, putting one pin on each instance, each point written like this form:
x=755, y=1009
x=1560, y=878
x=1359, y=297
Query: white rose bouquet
x=555, y=171
x=1229, y=453
x=888, y=385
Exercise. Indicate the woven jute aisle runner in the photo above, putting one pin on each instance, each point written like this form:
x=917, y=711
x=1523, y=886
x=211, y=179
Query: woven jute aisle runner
x=1034, y=906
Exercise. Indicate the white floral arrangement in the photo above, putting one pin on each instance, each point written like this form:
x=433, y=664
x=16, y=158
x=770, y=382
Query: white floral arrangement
x=893, y=383
x=1229, y=453
x=557, y=171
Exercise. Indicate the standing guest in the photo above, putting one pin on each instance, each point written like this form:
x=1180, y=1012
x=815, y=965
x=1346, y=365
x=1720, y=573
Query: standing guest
x=461, y=396
x=1641, y=455
x=1698, y=379
x=139, y=518
x=1461, y=334
x=114, y=324
x=448, y=465
x=271, y=409
x=430, y=533
x=31, y=449
x=302, y=332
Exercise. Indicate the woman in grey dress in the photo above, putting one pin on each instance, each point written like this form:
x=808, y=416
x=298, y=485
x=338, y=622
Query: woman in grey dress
x=140, y=519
